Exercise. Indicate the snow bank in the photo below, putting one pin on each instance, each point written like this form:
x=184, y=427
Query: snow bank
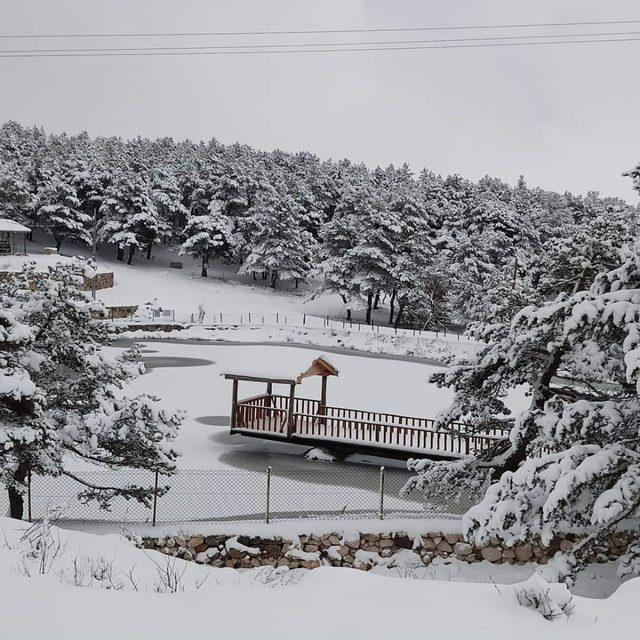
x=123, y=597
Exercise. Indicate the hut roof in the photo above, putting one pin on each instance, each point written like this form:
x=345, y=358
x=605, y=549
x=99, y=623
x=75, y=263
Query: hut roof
x=10, y=225
x=319, y=367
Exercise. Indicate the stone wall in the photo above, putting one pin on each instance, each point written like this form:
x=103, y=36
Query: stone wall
x=361, y=551
x=103, y=281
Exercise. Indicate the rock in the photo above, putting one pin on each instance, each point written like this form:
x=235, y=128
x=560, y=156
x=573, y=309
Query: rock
x=334, y=539
x=565, y=545
x=370, y=537
x=171, y=543
x=429, y=544
x=462, y=549
x=523, y=552
x=452, y=538
x=311, y=548
x=195, y=541
x=508, y=554
x=387, y=543
x=492, y=554
x=311, y=564
x=402, y=541
x=444, y=547
x=203, y=546
x=343, y=550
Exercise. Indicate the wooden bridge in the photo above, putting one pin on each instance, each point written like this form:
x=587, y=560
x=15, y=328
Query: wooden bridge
x=345, y=430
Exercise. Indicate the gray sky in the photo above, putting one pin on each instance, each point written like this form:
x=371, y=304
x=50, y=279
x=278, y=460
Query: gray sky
x=566, y=116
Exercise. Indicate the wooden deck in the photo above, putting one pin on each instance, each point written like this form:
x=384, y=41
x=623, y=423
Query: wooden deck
x=353, y=430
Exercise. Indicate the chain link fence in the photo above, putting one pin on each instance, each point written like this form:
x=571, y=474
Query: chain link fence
x=235, y=495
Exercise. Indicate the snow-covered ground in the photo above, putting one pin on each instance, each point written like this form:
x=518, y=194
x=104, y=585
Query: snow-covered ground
x=97, y=587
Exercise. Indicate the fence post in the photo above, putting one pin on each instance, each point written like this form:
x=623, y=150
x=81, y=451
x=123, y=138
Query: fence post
x=267, y=513
x=29, y=495
x=155, y=501
x=381, y=512
x=304, y=319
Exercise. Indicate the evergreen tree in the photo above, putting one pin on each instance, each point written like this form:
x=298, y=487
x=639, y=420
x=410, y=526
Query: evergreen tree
x=282, y=248
x=207, y=236
x=59, y=212
x=129, y=216
x=61, y=392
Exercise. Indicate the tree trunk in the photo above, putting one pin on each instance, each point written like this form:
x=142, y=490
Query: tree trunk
x=297, y=281
x=132, y=250
x=369, y=307
x=376, y=300
x=120, y=254
x=149, y=247
x=344, y=299
x=399, y=316
x=16, y=499
x=58, y=244
x=253, y=273
x=274, y=279
x=264, y=275
x=205, y=264
x=392, y=306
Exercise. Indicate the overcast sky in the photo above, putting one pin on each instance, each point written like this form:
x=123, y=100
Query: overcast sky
x=566, y=117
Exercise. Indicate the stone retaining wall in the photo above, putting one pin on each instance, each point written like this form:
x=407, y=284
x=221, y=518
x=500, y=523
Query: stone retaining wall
x=361, y=551
x=103, y=281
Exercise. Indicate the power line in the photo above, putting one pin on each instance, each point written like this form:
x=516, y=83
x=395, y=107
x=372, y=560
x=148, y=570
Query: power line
x=319, y=31
x=320, y=44
x=152, y=52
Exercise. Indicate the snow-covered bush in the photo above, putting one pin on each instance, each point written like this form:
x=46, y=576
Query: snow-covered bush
x=552, y=601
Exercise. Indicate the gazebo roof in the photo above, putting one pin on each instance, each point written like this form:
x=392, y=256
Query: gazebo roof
x=10, y=225
x=319, y=367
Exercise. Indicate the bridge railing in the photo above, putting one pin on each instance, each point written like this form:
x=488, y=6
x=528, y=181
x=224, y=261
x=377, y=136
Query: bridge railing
x=269, y=414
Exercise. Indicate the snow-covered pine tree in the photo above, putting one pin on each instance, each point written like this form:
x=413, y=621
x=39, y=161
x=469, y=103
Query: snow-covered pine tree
x=571, y=464
x=207, y=236
x=281, y=247
x=129, y=215
x=167, y=198
x=61, y=392
x=588, y=244
x=59, y=212
x=16, y=199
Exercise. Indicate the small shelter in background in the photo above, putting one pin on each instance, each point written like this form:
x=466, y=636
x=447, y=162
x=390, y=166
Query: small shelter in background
x=13, y=238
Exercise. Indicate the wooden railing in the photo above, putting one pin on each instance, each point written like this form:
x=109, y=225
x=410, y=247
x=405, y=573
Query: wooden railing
x=269, y=414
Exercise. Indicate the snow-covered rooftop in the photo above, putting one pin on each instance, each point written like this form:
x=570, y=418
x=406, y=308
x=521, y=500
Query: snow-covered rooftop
x=319, y=367
x=11, y=225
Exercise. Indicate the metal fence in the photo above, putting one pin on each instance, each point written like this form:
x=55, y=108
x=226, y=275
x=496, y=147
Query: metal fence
x=234, y=496
x=290, y=319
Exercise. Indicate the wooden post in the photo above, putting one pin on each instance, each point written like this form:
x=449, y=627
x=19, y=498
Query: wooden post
x=234, y=404
x=290, y=410
x=269, y=401
x=323, y=399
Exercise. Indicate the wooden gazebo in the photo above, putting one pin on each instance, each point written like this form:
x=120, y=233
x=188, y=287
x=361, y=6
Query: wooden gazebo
x=313, y=422
x=273, y=412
